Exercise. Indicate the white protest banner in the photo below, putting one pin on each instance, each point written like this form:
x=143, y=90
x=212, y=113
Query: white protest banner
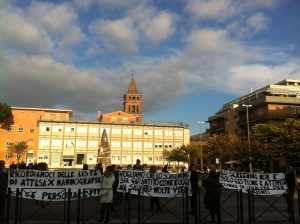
x=260, y=183
x=157, y=184
x=54, y=185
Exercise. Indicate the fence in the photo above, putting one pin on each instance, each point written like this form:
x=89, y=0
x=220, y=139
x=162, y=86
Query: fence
x=236, y=207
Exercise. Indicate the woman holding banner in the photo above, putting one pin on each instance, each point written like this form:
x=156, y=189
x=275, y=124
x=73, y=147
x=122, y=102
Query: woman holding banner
x=106, y=198
x=212, y=196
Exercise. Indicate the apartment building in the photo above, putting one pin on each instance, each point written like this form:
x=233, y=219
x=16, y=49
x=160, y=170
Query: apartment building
x=23, y=126
x=73, y=143
x=270, y=104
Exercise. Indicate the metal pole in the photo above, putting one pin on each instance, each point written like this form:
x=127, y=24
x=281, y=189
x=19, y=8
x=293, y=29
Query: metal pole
x=248, y=132
x=8, y=206
x=201, y=147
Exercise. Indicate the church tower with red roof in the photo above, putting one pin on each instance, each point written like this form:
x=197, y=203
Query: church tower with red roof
x=133, y=101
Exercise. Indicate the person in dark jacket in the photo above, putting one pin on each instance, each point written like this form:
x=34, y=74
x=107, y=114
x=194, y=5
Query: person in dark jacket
x=194, y=187
x=165, y=169
x=291, y=185
x=212, y=196
x=3, y=189
x=154, y=200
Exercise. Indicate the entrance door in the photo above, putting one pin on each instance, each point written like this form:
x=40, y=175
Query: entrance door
x=55, y=160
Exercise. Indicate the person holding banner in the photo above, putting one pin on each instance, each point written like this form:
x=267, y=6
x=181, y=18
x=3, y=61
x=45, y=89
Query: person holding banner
x=137, y=165
x=194, y=185
x=106, y=197
x=154, y=200
x=212, y=196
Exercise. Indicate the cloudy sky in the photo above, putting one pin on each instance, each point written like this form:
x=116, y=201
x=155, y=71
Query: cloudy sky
x=188, y=57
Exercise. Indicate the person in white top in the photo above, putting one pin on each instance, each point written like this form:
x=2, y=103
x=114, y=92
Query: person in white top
x=106, y=198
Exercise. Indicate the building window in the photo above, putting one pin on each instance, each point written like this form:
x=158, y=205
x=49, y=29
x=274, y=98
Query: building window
x=31, y=130
x=22, y=115
x=72, y=129
x=7, y=156
x=80, y=159
x=47, y=128
x=133, y=109
x=18, y=156
x=21, y=129
x=9, y=129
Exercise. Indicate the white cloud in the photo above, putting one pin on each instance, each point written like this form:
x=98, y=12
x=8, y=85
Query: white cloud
x=117, y=35
x=247, y=27
x=209, y=41
x=21, y=34
x=222, y=10
x=210, y=9
x=85, y=5
x=160, y=27
x=258, y=22
x=118, y=3
x=60, y=20
x=56, y=18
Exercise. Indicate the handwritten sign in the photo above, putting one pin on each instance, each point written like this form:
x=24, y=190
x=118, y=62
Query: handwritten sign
x=260, y=183
x=155, y=184
x=54, y=185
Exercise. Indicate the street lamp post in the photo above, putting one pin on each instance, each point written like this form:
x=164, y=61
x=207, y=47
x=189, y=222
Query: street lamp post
x=248, y=133
x=201, y=149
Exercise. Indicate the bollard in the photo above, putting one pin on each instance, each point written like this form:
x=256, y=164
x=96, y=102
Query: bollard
x=17, y=207
x=187, y=204
x=241, y=207
x=299, y=201
x=139, y=206
x=78, y=206
x=196, y=208
x=249, y=207
x=69, y=206
x=199, y=206
x=129, y=207
x=8, y=206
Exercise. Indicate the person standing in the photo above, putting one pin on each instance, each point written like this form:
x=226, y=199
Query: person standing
x=137, y=165
x=212, y=196
x=194, y=187
x=154, y=200
x=106, y=198
x=165, y=169
x=3, y=189
x=99, y=167
x=291, y=185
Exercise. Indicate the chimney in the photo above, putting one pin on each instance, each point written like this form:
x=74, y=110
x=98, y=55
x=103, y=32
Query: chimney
x=98, y=115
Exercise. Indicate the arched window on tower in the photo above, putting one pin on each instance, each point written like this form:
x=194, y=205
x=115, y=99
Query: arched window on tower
x=133, y=109
x=129, y=107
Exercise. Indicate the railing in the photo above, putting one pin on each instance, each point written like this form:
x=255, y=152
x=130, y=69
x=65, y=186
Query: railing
x=235, y=207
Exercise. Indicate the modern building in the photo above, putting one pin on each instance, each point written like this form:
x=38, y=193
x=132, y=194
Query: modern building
x=270, y=104
x=73, y=143
x=53, y=138
x=23, y=126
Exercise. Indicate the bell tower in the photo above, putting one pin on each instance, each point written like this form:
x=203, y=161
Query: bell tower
x=133, y=101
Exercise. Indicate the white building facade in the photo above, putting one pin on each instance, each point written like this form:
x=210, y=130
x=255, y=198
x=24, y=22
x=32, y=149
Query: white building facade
x=72, y=144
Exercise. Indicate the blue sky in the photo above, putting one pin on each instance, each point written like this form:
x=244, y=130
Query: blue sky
x=188, y=57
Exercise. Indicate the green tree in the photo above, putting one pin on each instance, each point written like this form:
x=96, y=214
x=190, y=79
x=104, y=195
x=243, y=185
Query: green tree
x=17, y=148
x=5, y=110
x=177, y=155
x=281, y=141
x=233, y=147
